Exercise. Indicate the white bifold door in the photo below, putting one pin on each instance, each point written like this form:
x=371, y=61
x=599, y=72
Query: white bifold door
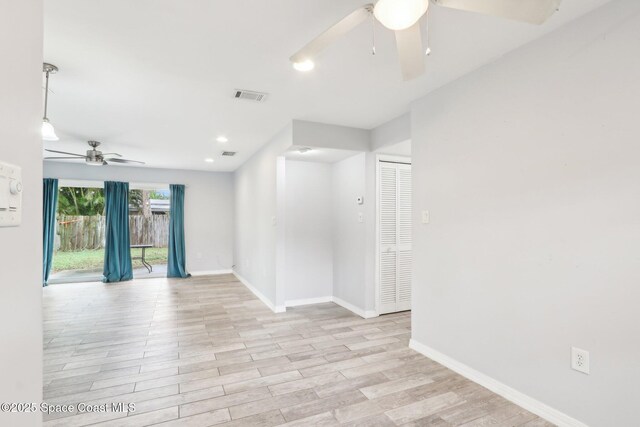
x=394, y=228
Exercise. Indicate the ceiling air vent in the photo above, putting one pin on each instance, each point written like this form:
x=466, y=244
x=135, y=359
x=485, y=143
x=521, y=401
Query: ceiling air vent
x=229, y=153
x=250, y=95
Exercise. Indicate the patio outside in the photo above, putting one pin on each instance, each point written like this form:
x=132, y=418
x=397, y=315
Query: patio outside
x=79, y=246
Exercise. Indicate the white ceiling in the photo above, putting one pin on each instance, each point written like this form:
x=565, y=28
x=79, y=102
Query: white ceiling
x=154, y=79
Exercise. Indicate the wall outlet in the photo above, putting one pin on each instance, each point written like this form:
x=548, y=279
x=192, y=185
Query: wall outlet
x=580, y=360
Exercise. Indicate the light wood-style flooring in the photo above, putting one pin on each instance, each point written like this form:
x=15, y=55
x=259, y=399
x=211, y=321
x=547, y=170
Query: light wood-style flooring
x=204, y=351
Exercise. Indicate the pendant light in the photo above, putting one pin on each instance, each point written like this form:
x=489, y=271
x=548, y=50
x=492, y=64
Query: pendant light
x=48, y=132
x=399, y=15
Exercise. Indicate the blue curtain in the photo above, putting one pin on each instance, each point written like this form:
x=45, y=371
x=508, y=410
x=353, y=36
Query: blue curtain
x=177, y=259
x=49, y=206
x=117, y=251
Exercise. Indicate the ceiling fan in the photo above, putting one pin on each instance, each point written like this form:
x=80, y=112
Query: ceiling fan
x=93, y=157
x=403, y=16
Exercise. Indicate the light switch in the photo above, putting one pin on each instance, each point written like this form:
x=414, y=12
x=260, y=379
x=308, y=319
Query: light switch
x=425, y=217
x=10, y=195
x=360, y=217
x=4, y=194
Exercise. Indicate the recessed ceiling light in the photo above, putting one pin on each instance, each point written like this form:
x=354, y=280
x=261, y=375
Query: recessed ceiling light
x=208, y=160
x=222, y=139
x=304, y=66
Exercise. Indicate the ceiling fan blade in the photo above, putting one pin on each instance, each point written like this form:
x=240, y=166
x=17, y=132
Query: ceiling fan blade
x=112, y=154
x=531, y=11
x=410, y=52
x=64, y=152
x=63, y=158
x=117, y=160
x=336, y=31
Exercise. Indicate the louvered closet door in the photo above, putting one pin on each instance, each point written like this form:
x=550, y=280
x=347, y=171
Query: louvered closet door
x=395, y=237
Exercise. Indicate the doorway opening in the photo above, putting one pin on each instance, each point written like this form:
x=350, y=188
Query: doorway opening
x=78, y=254
x=149, y=210
x=80, y=232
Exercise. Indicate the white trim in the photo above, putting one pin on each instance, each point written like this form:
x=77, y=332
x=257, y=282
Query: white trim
x=527, y=402
x=365, y=314
x=99, y=183
x=82, y=183
x=211, y=272
x=393, y=158
x=376, y=274
x=307, y=301
x=260, y=295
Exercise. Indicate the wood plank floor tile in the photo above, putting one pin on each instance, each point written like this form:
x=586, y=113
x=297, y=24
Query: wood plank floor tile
x=205, y=351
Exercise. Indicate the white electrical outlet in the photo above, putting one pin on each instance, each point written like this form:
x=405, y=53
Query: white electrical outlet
x=580, y=360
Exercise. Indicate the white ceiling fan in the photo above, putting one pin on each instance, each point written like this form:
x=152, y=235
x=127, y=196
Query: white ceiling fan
x=94, y=157
x=403, y=16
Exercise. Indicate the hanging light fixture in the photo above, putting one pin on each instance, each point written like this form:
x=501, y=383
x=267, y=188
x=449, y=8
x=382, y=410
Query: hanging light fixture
x=48, y=132
x=399, y=15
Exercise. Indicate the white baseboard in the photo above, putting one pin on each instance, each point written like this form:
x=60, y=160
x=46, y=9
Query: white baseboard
x=365, y=314
x=260, y=295
x=307, y=301
x=211, y=272
x=529, y=403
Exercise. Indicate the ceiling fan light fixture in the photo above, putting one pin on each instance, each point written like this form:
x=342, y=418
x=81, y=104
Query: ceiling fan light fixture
x=94, y=162
x=399, y=15
x=304, y=65
x=209, y=160
x=222, y=139
x=48, y=132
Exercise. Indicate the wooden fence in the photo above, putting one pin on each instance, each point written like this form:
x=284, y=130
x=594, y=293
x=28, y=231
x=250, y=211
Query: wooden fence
x=76, y=233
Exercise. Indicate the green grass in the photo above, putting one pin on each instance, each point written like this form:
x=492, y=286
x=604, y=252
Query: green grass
x=94, y=259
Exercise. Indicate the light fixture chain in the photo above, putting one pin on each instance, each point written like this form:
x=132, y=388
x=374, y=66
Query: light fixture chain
x=46, y=93
x=373, y=34
x=428, y=50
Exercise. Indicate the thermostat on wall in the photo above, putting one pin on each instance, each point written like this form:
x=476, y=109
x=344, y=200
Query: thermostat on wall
x=10, y=195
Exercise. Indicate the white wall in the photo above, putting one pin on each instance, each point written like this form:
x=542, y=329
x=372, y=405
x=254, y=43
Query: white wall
x=349, y=235
x=530, y=170
x=21, y=253
x=392, y=132
x=308, y=223
x=256, y=209
x=313, y=134
x=208, y=206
